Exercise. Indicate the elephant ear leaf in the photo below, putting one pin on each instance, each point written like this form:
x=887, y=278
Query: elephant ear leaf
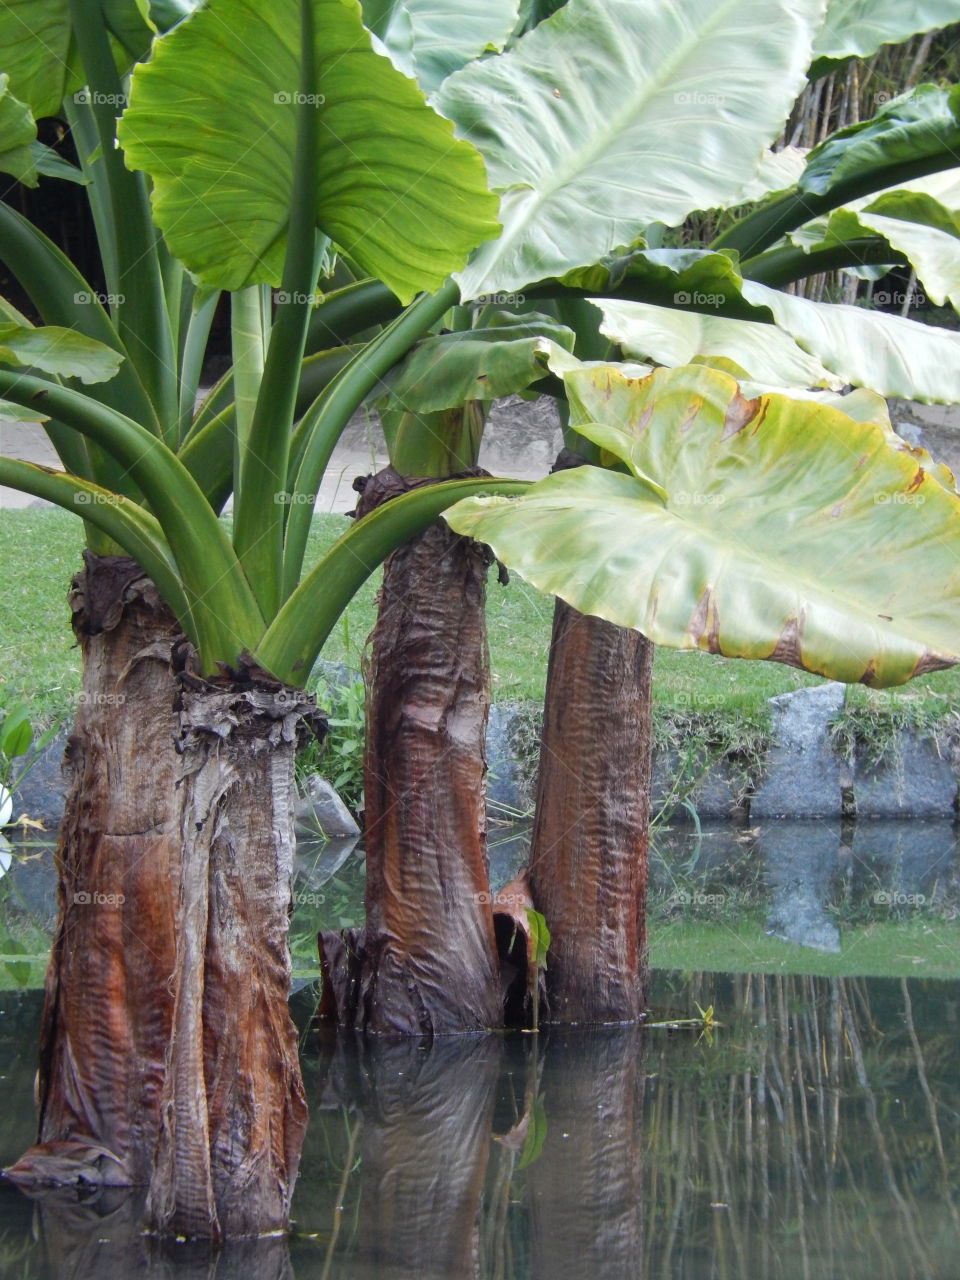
x=430, y=39
x=54, y=350
x=858, y=28
x=779, y=529
x=215, y=128
x=40, y=53
x=18, y=132
x=574, y=118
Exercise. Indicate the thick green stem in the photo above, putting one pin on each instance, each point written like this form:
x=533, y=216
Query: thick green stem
x=787, y=263
x=260, y=510
x=294, y=639
x=764, y=227
x=226, y=618
x=193, y=350
x=325, y=421
x=142, y=320
x=126, y=523
x=348, y=311
x=246, y=333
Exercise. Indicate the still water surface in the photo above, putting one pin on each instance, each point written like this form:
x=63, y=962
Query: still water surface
x=814, y=1134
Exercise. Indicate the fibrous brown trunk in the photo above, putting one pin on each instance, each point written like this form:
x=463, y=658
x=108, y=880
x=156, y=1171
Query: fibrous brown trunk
x=168, y=1056
x=425, y=961
x=107, y=1019
x=588, y=864
x=233, y=1112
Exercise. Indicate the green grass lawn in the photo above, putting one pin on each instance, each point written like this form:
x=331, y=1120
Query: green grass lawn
x=911, y=948
x=40, y=551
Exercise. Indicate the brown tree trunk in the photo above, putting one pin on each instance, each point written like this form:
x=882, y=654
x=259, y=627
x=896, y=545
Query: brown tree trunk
x=168, y=1057
x=425, y=961
x=232, y=1106
x=107, y=1018
x=588, y=863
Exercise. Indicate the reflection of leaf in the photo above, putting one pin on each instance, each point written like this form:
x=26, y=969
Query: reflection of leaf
x=536, y=1129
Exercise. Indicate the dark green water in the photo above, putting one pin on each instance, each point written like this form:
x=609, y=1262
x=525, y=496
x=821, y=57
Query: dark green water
x=815, y=1134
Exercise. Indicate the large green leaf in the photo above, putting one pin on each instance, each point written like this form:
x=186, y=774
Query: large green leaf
x=18, y=133
x=62, y=352
x=766, y=528
x=39, y=53
x=479, y=364
x=918, y=125
x=614, y=114
x=675, y=336
x=212, y=120
x=910, y=137
x=933, y=252
x=430, y=39
x=857, y=28
x=893, y=356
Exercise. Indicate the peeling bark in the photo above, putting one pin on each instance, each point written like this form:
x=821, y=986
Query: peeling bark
x=233, y=1113
x=425, y=961
x=168, y=1056
x=106, y=1018
x=588, y=866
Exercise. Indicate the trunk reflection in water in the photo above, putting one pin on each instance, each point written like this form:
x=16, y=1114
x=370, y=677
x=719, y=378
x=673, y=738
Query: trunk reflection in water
x=817, y=1134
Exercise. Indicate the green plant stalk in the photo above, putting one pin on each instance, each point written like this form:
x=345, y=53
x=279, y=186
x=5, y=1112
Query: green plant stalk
x=83, y=130
x=787, y=263
x=142, y=320
x=324, y=422
x=194, y=346
x=246, y=338
x=260, y=512
x=124, y=522
x=294, y=639
x=348, y=311
x=226, y=620
x=208, y=454
x=54, y=286
x=751, y=235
